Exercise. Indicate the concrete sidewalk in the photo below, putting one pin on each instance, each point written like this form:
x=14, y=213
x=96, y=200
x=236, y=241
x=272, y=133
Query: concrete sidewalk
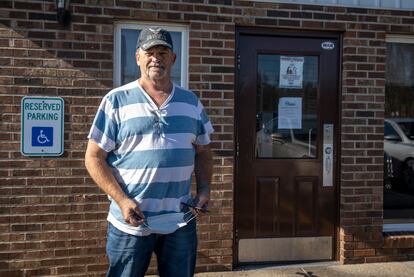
x=331, y=269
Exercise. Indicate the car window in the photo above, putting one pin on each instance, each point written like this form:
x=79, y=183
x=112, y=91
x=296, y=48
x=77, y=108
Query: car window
x=389, y=130
x=407, y=128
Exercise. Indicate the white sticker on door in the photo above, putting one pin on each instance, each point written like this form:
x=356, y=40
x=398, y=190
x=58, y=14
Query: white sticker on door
x=291, y=72
x=328, y=45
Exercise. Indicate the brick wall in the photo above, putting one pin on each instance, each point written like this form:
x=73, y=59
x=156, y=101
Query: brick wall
x=52, y=216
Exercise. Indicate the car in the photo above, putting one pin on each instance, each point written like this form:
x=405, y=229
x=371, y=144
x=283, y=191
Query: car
x=399, y=151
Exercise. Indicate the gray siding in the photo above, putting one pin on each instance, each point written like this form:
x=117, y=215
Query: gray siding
x=387, y=4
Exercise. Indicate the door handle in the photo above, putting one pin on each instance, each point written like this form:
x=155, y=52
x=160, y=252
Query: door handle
x=328, y=154
x=328, y=160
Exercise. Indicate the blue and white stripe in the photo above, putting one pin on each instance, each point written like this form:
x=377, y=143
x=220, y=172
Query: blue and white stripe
x=150, y=149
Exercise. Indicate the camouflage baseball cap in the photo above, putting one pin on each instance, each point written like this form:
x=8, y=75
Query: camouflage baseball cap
x=153, y=36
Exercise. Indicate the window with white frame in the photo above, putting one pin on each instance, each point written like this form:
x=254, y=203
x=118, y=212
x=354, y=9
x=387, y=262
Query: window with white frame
x=125, y=67
x=399, y=135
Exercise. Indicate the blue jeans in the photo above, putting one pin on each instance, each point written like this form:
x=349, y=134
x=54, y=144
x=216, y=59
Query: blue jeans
x=129, y=256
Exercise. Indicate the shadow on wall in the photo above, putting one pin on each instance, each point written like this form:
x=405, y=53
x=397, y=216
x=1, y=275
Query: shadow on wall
x=47, y=58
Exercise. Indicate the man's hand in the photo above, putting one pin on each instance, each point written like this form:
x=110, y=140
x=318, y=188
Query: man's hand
x=202, y=203
x=131, y=212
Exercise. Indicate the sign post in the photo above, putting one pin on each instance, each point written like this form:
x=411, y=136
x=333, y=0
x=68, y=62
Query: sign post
x=42, y=126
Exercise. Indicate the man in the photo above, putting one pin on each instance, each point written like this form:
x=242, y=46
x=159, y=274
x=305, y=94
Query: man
x=147, y=138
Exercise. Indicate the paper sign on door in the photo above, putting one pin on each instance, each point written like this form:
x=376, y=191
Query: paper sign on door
x=290, y=113
x=291, y=72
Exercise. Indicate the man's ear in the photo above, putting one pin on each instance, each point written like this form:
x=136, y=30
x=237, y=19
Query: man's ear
x=174, y=57
x=137, y=57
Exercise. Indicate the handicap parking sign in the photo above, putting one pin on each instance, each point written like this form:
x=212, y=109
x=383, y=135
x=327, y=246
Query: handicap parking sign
x=42, y=129
x=42, y=136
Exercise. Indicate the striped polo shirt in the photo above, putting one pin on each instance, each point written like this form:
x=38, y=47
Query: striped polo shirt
x=150, y=149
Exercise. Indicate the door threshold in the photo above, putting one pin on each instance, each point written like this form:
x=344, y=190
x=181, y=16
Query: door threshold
x=284, y=250
x=287, y=265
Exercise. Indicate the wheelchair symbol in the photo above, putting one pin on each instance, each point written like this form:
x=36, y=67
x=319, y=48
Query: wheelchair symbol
x=41, y=138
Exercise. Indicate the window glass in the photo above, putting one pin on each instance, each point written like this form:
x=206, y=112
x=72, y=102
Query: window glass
x=399, y=121
x=389, y=130
x=286, y=112
x=408, y=128
x=126, y=69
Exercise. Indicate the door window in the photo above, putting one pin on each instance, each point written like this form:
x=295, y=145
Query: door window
x=286, y=106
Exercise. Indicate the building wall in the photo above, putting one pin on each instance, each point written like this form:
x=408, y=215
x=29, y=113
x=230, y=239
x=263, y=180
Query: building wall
x=52, y=216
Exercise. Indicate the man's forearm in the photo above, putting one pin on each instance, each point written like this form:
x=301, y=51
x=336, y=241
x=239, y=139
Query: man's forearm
x=103, y=177
x=203, y=171
x=101, y=173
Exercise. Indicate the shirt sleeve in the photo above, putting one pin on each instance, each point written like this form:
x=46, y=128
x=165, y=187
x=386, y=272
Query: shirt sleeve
x=205, y=129
x=104, y=128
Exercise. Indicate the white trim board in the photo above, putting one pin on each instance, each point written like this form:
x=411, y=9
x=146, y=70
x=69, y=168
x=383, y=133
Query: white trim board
x=395, y=38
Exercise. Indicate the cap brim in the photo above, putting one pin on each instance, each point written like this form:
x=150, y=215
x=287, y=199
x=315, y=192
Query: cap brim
x=153, y=43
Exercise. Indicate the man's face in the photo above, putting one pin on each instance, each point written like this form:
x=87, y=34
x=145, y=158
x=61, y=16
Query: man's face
x=155, y=63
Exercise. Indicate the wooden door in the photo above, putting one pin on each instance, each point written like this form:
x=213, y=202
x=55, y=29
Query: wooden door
x=286, y=128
